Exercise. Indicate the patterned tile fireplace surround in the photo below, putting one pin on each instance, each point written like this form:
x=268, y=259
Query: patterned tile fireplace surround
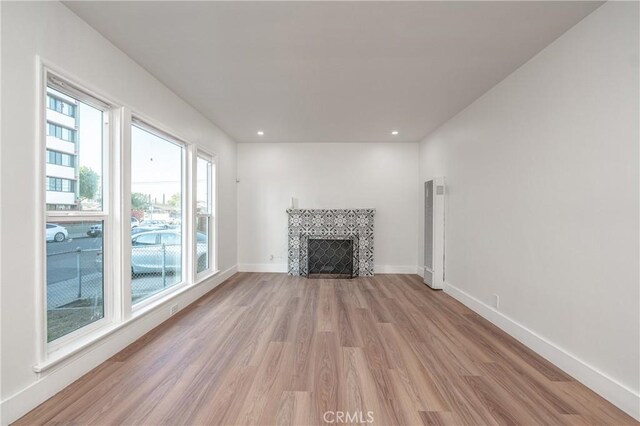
x=355, y=224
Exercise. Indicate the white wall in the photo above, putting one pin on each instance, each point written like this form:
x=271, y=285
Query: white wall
x=542, y=204
x=49, y=29
x=326, y=175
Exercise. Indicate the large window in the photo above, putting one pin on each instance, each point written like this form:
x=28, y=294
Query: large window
x=91, y=166
x=157, y=202
x=205, y=173
x=76, y=215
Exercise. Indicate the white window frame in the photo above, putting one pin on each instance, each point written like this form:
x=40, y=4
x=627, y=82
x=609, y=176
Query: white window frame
x=116, y=213
x=211, y=214
x=187, y=277
x=71, y=86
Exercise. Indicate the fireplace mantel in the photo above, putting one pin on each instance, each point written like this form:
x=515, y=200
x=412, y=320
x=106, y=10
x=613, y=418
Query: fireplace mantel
x=354, y=223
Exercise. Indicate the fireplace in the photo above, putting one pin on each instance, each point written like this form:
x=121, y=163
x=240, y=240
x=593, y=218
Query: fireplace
x=355, y=225
x=329, y=257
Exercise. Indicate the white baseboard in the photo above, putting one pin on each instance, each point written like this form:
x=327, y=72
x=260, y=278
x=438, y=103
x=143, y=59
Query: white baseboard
x=62, y=375
x=420, y=271
x=282, y=267
x=262, y=267
x=394, y=269
x=615, y=392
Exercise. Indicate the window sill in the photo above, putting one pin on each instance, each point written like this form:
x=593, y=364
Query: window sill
x=77, y=346
x=83, y=343
x=205, y=276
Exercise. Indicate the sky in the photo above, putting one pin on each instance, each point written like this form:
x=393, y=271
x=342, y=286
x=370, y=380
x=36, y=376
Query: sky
x=156, y=163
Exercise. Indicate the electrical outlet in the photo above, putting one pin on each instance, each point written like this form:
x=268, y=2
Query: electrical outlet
x=496, y=301
x=173, y=309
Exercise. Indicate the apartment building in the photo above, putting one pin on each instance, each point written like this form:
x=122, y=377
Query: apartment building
x=62, y=170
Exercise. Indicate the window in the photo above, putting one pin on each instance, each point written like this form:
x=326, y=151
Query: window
x=61, y=132
x=77, y=223
x=204, y=213
x=61, y=106
x=157, y=185
x=60, y=158
x=60, y=185
x=172, y=226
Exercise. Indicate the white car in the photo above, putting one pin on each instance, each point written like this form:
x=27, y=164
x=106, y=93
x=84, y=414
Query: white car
x=56, y=233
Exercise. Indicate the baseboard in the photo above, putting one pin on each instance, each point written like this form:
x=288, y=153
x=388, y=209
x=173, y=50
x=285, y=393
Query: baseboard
x=262, y=267
x=282, y=267
x=420, y=271
x=59, y=377
x=610, y=389
x=394, y=269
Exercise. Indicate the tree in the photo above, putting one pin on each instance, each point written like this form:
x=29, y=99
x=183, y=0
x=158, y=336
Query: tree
x=175, y=200
x=139, y=201
x=88, y=183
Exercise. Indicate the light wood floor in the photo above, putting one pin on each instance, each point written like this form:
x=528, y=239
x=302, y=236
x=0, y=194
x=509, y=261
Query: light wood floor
x=273, y=349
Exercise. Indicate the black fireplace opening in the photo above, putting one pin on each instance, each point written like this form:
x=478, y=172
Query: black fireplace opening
x=330, y=258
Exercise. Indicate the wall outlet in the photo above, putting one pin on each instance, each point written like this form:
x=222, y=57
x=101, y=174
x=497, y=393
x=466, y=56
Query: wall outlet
x=173, y=309
x=496, y=301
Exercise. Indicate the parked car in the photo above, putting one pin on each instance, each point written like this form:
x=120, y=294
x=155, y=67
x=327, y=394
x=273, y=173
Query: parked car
x=56, y=233
x=140, y=229
x=148, y=249
x=157, y=223
x=95, y=231
x=134, y=222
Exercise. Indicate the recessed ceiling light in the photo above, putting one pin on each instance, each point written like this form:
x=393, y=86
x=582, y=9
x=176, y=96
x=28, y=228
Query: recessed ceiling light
x=260, y=133
x=394, y=133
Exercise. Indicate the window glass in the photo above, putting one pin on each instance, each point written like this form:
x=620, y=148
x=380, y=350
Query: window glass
x=146, y=240
x=204, y=185
x=74, y=247
x=202, y=246
x=170, y=238
x=86, y=130
x=204, y=213
x=75, y=279
x=156, y=201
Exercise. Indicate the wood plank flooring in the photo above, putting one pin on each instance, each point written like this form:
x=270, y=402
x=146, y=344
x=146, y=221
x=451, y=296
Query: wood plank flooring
x=270, y=349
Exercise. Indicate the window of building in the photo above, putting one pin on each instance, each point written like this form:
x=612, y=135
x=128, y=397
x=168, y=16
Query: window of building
x=60, y=158
x=61, y=132
x=204, y=224
x=77, y=219
x=59, y=105
x=157, y=187
x=60, y=184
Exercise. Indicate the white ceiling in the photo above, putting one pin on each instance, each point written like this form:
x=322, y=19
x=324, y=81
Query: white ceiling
x=331, y=71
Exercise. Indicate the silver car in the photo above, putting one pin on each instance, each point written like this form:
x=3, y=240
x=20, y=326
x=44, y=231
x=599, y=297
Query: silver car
x=154, y=250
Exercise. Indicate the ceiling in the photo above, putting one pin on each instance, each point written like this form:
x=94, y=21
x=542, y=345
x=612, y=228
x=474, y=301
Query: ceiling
x=331, y=71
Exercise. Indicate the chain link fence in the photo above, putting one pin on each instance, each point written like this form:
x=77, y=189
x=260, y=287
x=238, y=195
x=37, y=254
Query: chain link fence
x=154, y=268
x=75, y=282
x=74, y=290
